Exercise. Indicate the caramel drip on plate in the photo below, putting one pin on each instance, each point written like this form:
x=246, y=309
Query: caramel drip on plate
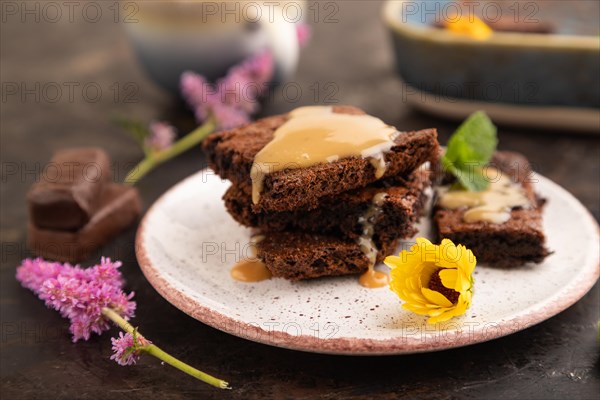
x=491, y=205
x=314, y=135
x=372, y=278
x=251, y=269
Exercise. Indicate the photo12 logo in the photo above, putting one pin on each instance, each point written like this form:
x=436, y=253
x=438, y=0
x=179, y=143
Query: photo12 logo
x=69, y=11
x=267, y=331
x=130, y=12
x=69, y=92
x=438, y=12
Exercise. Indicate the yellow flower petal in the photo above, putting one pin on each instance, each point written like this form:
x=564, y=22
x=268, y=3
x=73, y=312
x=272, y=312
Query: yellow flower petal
x=416, y=309
x=469, y=25
x=427, y=270
x=393, y=261
x=440, y=318
x=448, y=277
x=436, y=297
x=411, y=273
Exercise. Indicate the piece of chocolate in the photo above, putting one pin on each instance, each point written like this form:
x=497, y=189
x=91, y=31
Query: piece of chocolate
x=68, y=193
x=120, y=206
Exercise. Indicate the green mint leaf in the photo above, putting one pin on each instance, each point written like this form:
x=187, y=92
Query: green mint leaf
x=472, y=180
x=469, y=177
x=474, y=141
x=469, y=149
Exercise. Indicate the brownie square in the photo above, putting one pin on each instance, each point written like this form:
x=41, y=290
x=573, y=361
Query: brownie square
x=231, y=155
x=300, y=255
x=515, y=242
x=341, y=214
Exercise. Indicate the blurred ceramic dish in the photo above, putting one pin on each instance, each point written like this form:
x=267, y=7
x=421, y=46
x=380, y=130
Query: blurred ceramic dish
x=528, y=79
x=187, y=244
x=209, y=37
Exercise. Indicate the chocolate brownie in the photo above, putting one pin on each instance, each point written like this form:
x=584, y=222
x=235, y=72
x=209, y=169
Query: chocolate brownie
x=298, y=256
x=515, y=242
x=231, y=155
x=341, y=214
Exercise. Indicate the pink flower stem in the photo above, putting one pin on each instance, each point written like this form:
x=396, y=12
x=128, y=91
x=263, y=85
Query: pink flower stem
x=157, y=352
x=154, y=159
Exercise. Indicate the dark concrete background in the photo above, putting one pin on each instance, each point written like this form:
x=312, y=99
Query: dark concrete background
x=555, y=359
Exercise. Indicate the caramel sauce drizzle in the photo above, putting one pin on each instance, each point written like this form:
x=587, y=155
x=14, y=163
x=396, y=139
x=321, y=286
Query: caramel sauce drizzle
x=251, y=269
x=314, y=135
x=372, y=278
x=492, y=205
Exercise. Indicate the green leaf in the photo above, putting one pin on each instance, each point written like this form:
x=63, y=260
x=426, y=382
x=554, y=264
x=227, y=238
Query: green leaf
x=469, y=149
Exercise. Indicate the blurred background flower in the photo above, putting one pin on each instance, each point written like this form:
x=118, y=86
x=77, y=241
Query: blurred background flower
x=234, y=97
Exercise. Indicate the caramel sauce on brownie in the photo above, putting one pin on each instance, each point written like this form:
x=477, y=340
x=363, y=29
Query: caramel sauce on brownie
x=372, y=278
x=314, y=135
x=491, y=205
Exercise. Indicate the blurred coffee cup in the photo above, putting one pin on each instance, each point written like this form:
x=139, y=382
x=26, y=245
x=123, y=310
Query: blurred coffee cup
x=208, y=37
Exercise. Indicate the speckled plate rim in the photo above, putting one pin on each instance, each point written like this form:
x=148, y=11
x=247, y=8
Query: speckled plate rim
x=528, y=317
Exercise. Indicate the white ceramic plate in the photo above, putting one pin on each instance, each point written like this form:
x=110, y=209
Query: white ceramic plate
x=187, y=243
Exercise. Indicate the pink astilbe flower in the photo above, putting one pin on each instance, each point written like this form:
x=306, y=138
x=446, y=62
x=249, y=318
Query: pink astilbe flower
x=93, y=297
x=194, y=88
x=33, y=273
x=234, y=97
x=229, y=117
x=79, y=294
x=128, y=347
x=304, y=32
x=107, y=271
x=257, y=70
x=161, y=137
x=237, y=91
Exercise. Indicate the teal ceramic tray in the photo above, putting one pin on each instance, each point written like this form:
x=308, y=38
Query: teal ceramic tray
x=540, y=80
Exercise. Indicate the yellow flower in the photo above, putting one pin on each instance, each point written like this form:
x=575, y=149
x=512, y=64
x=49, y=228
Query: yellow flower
x=469, y=25
x=433, y=280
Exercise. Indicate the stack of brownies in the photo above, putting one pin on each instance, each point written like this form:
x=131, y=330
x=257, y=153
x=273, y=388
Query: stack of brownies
x=328, y=219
